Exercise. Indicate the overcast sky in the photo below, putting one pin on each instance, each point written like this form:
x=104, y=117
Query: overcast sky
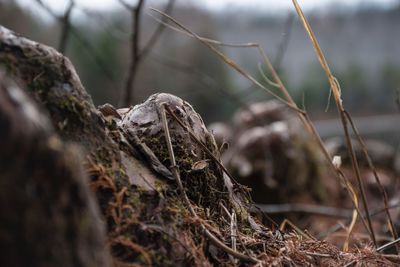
x=268, y=5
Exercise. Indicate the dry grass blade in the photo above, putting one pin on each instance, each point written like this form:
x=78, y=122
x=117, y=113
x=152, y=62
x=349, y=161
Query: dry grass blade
x=226, y=59
x=373, y=169
x=204, y=147
x=297, y=229
x=354, y=198
x=388, y=245
x=211, y=41
x=305, y=208
x=335, y=87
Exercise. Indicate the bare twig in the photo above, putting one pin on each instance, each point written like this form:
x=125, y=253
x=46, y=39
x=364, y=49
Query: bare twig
x=137, y=56
x=305, y=208
x=379, y=249
x=388, y=245
x=134, y=51
x=227, y=60
x=175, y=171
x=206, y=80
x=337, y=226
x=88, y=47
x=156, y=34
x=184, y=30
x=373, y=169
x=126, y=5
x=65, y=25
x=297, y=229
x=64, y=20
x=392, y=258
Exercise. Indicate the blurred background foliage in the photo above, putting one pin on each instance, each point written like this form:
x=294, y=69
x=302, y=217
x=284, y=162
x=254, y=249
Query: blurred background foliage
x=361, y=45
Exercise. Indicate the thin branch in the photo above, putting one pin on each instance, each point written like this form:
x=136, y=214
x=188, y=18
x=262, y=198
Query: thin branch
x=379, y=249
x=86, y=45
x=206, y=80
x=297, y=229
x=337, y=226
x=156, y=34
x=65, y=25
x=377, y=179
x=228, y=60
x=392, y=258
x=49, y=10
x=126, y=99
x=63, y=20
x=305, y=208
x=185, y=31
x=126, y=5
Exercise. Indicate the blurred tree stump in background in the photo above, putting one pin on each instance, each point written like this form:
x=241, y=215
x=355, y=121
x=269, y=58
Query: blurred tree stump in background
x=271, y=153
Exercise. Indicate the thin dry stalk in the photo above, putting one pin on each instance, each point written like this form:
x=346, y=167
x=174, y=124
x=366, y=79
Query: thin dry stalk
x=204, y=147
x=297, y=229
x=203, y=78
x=335, y=88
x=354, y=198
x=227, y=60
x=305, y=208
x=233, y=228
x=175, y=172
x=379, y=249
x=388, y=245
x=378, y=181
x=337, y=226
